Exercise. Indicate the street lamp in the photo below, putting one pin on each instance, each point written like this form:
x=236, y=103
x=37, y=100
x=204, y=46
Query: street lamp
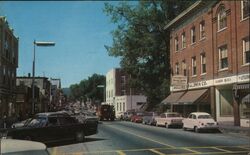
x=37, y=43
x=102, y=86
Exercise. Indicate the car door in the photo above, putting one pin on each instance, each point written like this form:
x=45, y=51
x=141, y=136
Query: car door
x=53, y=129
x=162, y=119
x=188, y=121
x=68, y=127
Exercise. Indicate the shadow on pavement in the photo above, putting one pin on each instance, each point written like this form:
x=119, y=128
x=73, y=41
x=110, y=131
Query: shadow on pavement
x=70, y=142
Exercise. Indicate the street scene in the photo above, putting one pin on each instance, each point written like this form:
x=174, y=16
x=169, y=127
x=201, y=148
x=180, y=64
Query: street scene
x=125, y=77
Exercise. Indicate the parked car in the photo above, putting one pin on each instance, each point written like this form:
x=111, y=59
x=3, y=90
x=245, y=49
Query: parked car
x=169, y=119
x=149, y=118
x=127, y=115
x=22, y=147
x=200, y=121
x=86, y=116
x=54, y=126
x=106, y=112
x=21, y=124
x=137, y=117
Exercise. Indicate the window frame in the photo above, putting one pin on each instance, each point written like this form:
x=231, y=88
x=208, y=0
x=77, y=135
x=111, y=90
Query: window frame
x=202, y=30
x=176, y=44
x=183, y=40
x=222, y=18
x=220, y=57
x=192, y=34
x=244, y=51
x=242, y=9
x=203, y=55
x=194, y=66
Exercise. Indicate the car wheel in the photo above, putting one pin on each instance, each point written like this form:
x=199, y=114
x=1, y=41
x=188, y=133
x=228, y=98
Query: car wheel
x=80, y=137
x=196, y=129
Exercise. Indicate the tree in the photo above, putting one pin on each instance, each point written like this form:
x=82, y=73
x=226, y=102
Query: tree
x=87, y=88
x=143, y=45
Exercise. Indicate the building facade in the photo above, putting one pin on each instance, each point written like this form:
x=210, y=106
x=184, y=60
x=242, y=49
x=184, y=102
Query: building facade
x=42, y=91
x=210, y=59
x=8, y=66
x=119, y=94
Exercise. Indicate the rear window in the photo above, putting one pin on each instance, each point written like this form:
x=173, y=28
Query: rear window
x=173, y=115
x=204, y=116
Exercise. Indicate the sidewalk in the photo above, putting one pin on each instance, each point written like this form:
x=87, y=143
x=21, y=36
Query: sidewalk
x=230, y=128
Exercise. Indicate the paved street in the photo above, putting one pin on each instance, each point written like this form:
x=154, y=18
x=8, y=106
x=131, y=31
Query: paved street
x=137, y=139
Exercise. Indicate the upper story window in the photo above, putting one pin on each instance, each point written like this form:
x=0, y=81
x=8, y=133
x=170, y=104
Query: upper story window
x=184, y=67
x=194, y=68
x=245, y=5
x=222, y=18
x=246, y=51
x=223, y=61
x=176, y=44
x=202, y=29
x=177, y=68
x=193, y=35
x=203, y=63
x=183, y=40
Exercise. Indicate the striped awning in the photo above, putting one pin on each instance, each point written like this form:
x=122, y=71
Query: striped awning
x=241, y=86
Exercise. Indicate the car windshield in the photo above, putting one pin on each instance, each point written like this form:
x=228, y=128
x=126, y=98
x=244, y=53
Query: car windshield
x=37, y=122
x=204, y=116
x=173, y=115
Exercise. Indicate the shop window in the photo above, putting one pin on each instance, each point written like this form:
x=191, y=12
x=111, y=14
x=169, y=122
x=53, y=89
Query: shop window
x=223, y=61
x=222, y=18
x=183, y=40
x=245, y=5
x=226, y=102
x=246, y=51
x=194, y=68
x=176, y=42
x=203, y=63
x=202, y=29
x=193, y=39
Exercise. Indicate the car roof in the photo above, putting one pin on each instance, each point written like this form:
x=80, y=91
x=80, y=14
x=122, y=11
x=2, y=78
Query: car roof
x=46, y=114
x=13, y=145
x=200, y=113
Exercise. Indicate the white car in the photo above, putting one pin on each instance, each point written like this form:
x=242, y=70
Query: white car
x=22, y=147
x=169, y=119
x=198, y=121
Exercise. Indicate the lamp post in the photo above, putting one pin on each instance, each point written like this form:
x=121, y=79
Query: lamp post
x=36, y=43
x=102, y=86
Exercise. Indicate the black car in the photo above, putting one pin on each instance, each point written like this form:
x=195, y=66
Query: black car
x=107, y=112
x=54, y=126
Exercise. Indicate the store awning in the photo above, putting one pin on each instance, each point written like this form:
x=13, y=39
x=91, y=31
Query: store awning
x=173, y=98
x=241, y=86
x=194, y=96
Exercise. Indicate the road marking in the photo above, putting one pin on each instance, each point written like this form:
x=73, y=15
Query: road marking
x=157, y=152
x=221, y=149
x=120, y=152
x=195, y=152
x=143, y=137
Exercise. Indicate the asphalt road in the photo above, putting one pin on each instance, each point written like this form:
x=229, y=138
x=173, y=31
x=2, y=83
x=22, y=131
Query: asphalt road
x=126, y=138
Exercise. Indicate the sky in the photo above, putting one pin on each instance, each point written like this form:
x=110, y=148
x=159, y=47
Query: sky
x=80, y=30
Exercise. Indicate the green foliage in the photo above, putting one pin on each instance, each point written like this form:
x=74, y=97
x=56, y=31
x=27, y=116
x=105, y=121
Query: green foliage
x=87, y=88
x=142, y=43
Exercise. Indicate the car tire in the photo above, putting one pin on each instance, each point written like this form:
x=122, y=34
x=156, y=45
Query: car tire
x=80, y=137
x=196, y=129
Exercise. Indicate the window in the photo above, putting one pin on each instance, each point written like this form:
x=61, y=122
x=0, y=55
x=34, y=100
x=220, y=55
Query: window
x=245, y=5
x=177, y=68
x=194, y=66
x=203, y=63
x=192, y=35
x=246, y=51
x=202, y=29
x=184, y=68
x=183, y=40
x=222, y=18
x=176, y=44
x=223, y=62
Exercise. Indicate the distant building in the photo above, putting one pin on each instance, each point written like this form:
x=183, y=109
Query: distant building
x=119, y=94
x=210, y=60
x=8, y=66
x=42, y=100
x=57, y=97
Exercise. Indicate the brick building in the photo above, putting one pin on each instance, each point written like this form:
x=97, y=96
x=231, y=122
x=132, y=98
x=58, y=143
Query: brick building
x=119, y=93
x=210, y=59
x=8, y=66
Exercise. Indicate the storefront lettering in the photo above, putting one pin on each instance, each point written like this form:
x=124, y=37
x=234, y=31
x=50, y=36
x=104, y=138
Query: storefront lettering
x=198, y=84
x=245, y=77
